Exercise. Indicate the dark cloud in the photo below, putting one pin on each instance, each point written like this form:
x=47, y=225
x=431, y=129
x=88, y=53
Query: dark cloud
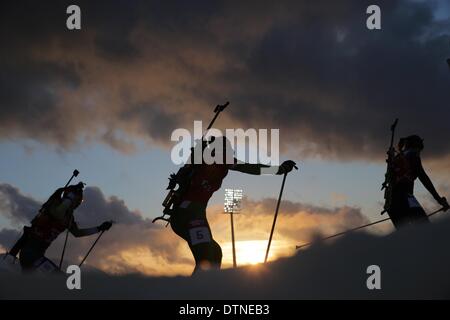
x=96, y=207
x=156, y=122
x=143, y=68
x=337, y=270
x=16, y=206
x=341, y=95
x=290, y=207
x=8, y=237
x=112, y=40
x=28, y=93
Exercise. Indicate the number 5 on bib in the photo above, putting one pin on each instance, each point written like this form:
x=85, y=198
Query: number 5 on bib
x=199, y=235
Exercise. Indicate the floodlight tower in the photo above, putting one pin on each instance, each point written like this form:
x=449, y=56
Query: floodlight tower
x=232, y=204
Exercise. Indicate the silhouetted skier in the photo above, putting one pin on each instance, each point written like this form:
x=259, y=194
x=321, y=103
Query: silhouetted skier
x=55, y=216
x=188, y=219
x=406, y=167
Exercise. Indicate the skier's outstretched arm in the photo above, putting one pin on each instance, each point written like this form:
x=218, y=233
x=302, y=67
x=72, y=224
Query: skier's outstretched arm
x=249, y=168
x=255, y=168
x=77, y=232
x=426, y=181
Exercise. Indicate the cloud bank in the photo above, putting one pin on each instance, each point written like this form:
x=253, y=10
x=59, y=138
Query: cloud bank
x=140, y=69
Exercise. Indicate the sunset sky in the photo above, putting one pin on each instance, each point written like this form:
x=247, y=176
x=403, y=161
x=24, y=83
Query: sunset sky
x=105, y=100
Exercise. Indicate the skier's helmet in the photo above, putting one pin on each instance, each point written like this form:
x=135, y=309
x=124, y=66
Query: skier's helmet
x=74, y=193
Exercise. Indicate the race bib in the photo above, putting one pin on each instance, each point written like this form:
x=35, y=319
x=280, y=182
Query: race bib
x=199, y=235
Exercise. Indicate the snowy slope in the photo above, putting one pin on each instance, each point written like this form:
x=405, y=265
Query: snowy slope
x=415, y=263
x=9, y=264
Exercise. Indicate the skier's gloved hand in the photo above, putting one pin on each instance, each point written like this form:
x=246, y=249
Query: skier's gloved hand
x=443, y=202
x=286, y=167
x=105, y=226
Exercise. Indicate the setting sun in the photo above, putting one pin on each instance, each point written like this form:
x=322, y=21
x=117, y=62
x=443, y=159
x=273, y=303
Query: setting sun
x=252, y=252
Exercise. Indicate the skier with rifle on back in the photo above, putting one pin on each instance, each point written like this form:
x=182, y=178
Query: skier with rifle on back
x=197, y=183
x=404, y=167
x=54, y=217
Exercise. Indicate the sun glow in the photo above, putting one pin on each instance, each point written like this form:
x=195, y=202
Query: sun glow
x=252, y=252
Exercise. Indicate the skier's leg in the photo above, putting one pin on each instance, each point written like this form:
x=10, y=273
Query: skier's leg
x=190, y=223
x=31, y=252
x=416, y=214
x=398, y=218
x=18, y=245
x=207, y=255
x=206, y=251
x=179, y=223
x=399, y=211
x=216, y=254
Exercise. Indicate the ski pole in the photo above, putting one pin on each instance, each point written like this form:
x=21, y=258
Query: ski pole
x=65, y=242
x=362, y=227
x=276, y=215
x=92, y=247
x=344, y=232
x=437, y=211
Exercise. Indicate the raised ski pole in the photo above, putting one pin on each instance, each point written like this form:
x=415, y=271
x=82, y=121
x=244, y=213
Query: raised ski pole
x=276, y=215
x=74, y=174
